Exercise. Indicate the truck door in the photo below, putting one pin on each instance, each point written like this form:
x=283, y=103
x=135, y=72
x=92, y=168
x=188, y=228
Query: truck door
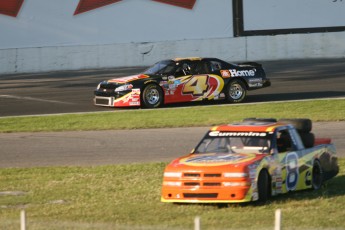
x=288, y=157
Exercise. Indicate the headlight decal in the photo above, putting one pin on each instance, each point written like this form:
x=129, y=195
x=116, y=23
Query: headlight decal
x=173, y=174
x=235, y=175
x=124, y=87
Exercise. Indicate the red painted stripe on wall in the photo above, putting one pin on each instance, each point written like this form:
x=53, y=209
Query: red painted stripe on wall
x=87, y=5
x=189, y=4
x=10, y=7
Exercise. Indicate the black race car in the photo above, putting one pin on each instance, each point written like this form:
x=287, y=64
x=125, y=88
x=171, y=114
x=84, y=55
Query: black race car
x=183, y=80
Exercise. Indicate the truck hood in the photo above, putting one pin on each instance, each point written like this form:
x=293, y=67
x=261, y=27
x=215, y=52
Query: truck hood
x=216, y=159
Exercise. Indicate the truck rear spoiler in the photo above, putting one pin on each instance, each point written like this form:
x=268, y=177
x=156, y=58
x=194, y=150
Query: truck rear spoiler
x=320, y=141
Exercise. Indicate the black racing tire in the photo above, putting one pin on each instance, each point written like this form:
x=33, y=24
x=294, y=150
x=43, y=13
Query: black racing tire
x=152, y=96
x=317, y=175
x=260, y=119
x=235, y=91
x=264, y=186
x=303, y=125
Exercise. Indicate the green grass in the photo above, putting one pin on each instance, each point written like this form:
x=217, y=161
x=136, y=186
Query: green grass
x=317, y=110
x=128, y=197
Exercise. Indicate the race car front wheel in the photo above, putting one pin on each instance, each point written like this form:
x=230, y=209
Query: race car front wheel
x=235, y=91
x=152, y=96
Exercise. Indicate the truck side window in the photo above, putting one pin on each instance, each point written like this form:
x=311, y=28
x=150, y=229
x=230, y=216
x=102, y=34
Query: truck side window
x=284, y=142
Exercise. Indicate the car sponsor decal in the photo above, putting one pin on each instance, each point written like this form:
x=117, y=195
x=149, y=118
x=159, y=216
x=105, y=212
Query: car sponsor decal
x=236, y=134
x=242, y=73
x=123, y=80
x=130, y=99
x=170, y=84
x=214, y=159
x=225, y=73
x=255, y=82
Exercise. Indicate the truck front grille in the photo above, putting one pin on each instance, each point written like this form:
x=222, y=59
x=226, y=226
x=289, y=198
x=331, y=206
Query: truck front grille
x=200, y=195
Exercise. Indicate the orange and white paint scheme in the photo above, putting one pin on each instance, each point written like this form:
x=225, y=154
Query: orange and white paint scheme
x=248, y=161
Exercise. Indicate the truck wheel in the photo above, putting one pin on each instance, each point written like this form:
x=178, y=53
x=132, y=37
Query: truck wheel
x=317, y=175
x=303, y=125
x=263, y=186
x=152, y=96
x=235, y=91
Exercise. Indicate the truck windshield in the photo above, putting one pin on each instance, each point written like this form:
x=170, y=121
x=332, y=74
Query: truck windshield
x=231, y=144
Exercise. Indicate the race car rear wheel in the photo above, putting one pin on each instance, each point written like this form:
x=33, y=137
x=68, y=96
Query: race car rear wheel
x=236, y=91
x=263, y=186
x=317, y=175
x=152, y=96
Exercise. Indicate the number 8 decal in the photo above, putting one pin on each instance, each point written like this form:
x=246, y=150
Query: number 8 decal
x=292, y=172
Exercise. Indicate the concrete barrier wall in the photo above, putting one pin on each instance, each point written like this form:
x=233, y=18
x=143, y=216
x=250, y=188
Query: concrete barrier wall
x=253, y=48
x=50, y=35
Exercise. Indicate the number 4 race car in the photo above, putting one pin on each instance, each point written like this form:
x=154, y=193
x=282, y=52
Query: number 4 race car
x=251, y=161
x=183, y=80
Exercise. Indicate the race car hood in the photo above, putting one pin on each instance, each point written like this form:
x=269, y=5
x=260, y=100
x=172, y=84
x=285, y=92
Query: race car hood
x=211, y=160
x=123, y=80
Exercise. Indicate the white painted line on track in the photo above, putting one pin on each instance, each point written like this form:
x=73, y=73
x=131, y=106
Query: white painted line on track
x=182, y=107
x=34, y=99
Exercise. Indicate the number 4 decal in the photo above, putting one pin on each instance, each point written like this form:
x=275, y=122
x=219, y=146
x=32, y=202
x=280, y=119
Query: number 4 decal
x=196, y=86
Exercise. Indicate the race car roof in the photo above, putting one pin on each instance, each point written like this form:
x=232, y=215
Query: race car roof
x=188, y=58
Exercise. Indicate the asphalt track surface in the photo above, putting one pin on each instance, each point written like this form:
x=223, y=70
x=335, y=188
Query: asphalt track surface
x=91, y=148
x=72, y=91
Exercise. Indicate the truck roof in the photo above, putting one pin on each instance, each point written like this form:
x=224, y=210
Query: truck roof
x=249, y=127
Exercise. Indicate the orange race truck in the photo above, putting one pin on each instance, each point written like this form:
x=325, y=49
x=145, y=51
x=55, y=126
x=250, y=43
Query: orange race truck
x=249, y=161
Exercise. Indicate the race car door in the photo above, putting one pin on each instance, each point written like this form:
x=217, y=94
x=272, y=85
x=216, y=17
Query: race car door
x=191, y=84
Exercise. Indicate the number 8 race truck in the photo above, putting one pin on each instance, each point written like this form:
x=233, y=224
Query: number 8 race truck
x=251, y=161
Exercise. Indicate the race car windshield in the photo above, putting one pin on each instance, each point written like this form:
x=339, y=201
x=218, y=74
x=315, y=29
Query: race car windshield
x=163, y=67
x=234, y=145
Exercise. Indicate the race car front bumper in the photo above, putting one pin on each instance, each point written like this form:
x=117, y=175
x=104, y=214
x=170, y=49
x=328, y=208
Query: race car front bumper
x=104, y=101
x=130, y=99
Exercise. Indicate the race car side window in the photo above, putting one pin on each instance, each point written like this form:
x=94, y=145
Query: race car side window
x=202, y=68
x=284, y=141
x=215, y=66
x=185, y=68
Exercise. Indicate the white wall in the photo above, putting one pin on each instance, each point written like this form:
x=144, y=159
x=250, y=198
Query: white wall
x=287, y=14
x=46, y=36
x=42, y=23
